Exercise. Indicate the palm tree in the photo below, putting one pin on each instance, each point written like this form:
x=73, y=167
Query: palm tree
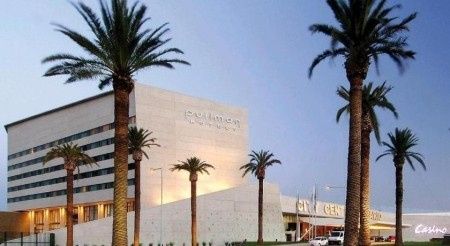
x=259, y=162
x=120, y=47
x=73, y=158
x=371, y=99
x=193, y=166
x=400, y=150
x=138, y=140
x=366, y=31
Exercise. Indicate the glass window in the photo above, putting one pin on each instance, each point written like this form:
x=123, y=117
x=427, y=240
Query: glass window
x=39, y=221
x=130, y=206
x=54, y=219
x=108, y=210
x=75, y=216
x=90, y=213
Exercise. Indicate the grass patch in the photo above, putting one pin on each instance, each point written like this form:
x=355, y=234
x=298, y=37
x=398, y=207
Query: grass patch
x=418, y=243
x=270, y=243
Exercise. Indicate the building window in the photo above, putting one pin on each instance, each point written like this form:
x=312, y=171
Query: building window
x=54, y=219
x=75, y=216
x=107, y=127
x=130, y=206
x=39, y=221
x=108, y=210
x=49, y=194
x=90, y=213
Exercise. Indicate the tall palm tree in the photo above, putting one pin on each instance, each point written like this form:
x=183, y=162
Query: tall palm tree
x=371, y=99
x=138, y=139
x=193, y=166
x=120, y=47
x=400, y=149
x=259, y=162
x=366, y=31
x=73, y=158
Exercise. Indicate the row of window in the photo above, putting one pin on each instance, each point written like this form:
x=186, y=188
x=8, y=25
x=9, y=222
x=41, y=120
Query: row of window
x=71, y=138
x=82, y=189
x=84, y=175
x=55, y=168
x=86, y=147
x=90, y=213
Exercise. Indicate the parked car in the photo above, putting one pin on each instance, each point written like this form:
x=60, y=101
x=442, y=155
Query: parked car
x=390, y=239
x=336, y=238
x=377, y=238
x=318, y=241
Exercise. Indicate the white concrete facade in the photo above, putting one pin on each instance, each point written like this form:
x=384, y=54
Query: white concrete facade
x=185, y=126
x=48, y=127
x=224, y=216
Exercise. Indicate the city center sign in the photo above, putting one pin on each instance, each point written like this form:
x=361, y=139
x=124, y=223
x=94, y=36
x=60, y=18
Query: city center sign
x=333, y=209
x=219, y=121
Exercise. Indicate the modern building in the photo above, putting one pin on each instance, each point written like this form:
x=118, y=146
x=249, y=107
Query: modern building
x=184, y=126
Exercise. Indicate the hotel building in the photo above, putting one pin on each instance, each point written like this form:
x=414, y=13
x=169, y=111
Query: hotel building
x=184, y=126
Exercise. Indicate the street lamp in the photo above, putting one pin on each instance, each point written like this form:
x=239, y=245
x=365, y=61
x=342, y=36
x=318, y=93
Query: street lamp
x=161, y=203
x=328, y=188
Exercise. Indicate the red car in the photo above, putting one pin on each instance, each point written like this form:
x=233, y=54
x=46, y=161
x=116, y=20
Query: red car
x=390, y=239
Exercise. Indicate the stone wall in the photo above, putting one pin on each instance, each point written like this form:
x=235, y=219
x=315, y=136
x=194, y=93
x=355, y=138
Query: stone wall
x=224, y=216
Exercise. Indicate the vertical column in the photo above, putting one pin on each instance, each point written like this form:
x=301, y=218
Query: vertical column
x=46, y=220
x=80, y=214
x=100, y=211
x=31, y=218
x=62, y=217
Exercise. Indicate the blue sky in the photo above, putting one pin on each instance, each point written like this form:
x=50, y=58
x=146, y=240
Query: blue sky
x=255, y=54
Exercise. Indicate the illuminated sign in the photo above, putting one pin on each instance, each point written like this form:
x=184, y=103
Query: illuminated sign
x=303, y=206
x=423, y=229
x=212, y=120
x=333, y=209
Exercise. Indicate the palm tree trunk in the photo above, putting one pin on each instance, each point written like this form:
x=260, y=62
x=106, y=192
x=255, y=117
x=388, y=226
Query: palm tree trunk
x=260, y=211
x=194, y=213
x=398, y=203
x=354, y=157
x=69, y=208
x=137, y=201
x=121, y=107
x=364, y=229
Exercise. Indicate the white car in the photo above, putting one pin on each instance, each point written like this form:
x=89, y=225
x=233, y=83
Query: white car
x=318, y=241
x=336, y=238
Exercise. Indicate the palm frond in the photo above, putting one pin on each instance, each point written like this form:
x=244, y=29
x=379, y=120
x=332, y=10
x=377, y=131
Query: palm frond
x=402, y=140
x=139, y=139
x=120, y=46
x=192, y=165
x=259, y=161
x=372, y=98
x=366, y=31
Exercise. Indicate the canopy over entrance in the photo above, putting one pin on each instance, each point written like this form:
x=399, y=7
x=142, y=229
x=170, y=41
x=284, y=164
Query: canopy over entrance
x=339, y=222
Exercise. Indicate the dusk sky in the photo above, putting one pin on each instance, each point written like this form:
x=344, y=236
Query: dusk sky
x=255, y=54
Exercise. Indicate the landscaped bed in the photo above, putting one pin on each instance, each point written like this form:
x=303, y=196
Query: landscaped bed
x=418, y=243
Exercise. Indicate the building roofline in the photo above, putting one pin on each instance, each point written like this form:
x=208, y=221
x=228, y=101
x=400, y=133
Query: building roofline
x=58, y=109
x=429, y=214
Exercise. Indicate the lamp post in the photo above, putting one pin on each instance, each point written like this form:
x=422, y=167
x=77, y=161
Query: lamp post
x=331, y=187
x=161, y=204
x=297, y=224
x=328, y=187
